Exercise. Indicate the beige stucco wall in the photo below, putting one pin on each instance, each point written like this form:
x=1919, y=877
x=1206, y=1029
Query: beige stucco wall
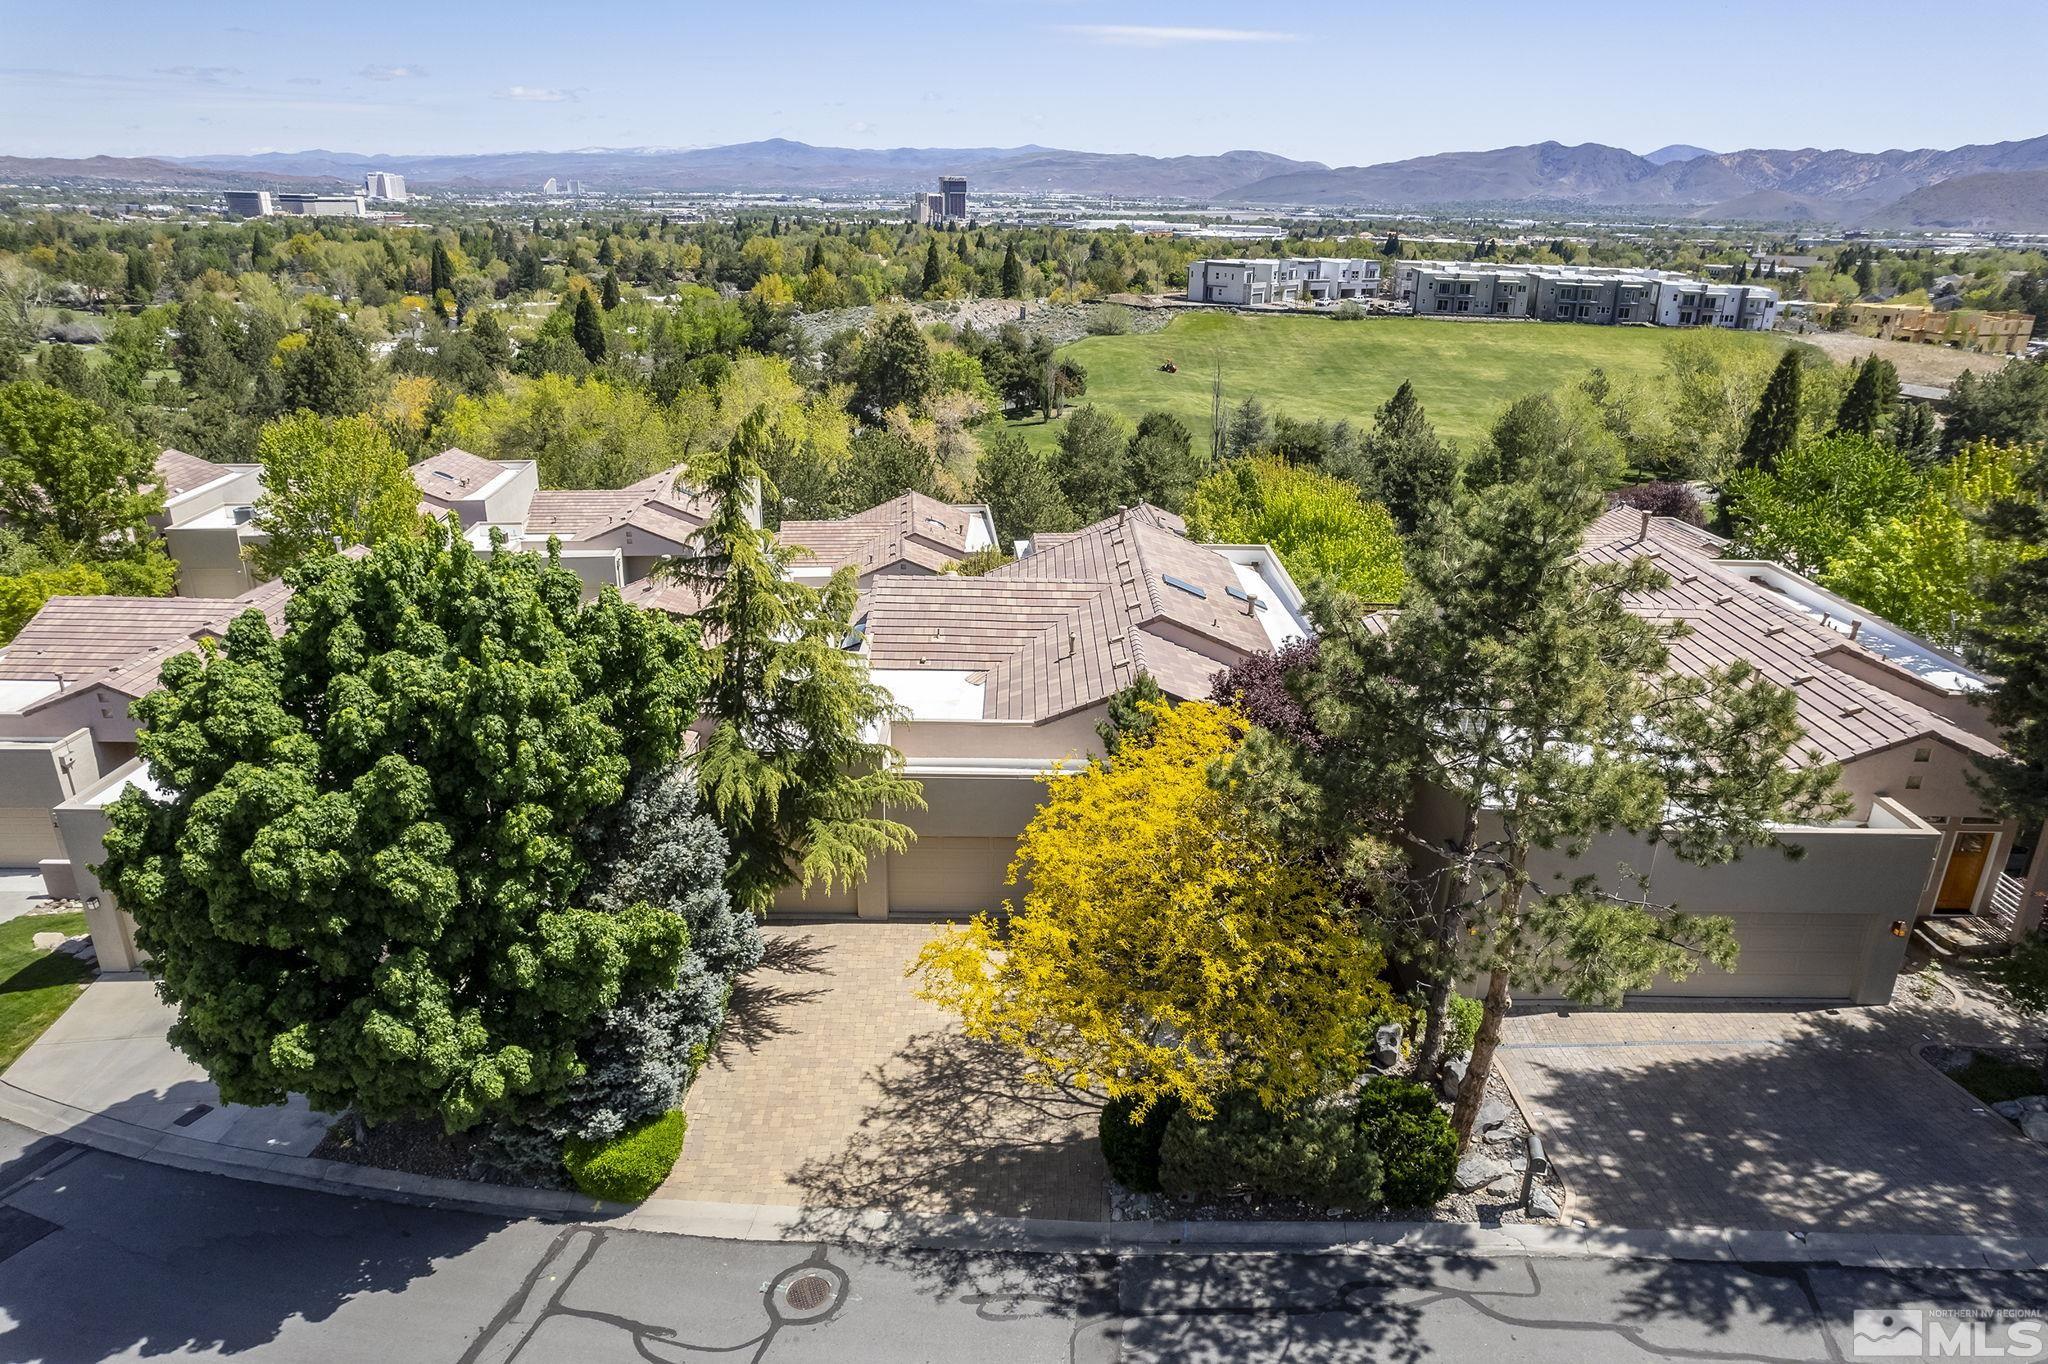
x=82, y=829
x=1069, y=736
x=1943, y=798
x=210, y=561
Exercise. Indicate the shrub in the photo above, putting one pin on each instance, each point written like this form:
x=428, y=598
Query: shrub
x=1411, y=1139
x=1315, y=1154
x=1109, y=319
x=1130, y=1146
x=1676, y=500
x=1461, y=1026
x=630, y=1166
x=1350, y=310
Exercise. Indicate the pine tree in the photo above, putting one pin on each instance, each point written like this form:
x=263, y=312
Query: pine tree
x=611, y=291
x=2010, y=642
x=1013, y=273
x=787, y=770
x=932, y=269
x=488, y=336
x=1016, y=484
x=1413, y=472
x=588, y=328
x=1774, y=426
x=440, y=270
x=1914, y=434
x=1869, y=398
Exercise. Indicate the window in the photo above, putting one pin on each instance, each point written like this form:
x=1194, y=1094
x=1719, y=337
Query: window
x=1921, y=755
x=1913, y=782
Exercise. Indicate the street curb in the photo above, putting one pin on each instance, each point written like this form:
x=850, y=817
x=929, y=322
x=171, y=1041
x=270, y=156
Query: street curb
x=985, y=1234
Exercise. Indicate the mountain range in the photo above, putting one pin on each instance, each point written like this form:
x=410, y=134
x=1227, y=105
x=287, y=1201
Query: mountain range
x=1999, y=186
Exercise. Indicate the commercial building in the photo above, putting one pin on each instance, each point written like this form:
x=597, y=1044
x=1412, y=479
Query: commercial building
x=1578, y=293
x=948, y=205
x=321, y=205
x=384, y=185
x=248, y=203
x=1248, y=283
x=1992, y=333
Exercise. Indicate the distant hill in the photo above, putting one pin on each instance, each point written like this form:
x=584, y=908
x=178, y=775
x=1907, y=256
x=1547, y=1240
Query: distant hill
x=1999, y=201
x=139, y=170
x=1677, y=151
x=1757, y=184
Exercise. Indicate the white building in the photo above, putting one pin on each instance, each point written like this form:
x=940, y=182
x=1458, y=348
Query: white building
x=384, y=185
x=248, y=203
x=1249, y=283
x=1605, y=295
x=321, y=205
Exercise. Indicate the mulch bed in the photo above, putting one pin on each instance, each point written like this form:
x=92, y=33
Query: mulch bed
x=416, y=1148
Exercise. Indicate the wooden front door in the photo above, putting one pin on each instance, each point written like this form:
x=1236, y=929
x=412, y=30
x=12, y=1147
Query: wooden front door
x=1965, y=873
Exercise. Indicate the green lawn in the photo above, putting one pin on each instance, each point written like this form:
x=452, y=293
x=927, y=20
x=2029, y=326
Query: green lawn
x=1307, y=367
x=35, y=986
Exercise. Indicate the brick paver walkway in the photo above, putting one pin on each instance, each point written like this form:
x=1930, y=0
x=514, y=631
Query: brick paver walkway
x=1762, y=1118
x=835, y=1087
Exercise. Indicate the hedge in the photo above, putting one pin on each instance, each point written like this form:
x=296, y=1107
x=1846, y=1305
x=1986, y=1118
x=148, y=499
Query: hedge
x=1131, y=1149
x=628, y=1167
x=1413, y=1139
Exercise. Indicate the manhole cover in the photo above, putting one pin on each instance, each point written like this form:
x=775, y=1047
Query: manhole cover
x=808, y=1292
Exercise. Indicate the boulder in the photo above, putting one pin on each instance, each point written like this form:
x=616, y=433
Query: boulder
x=2033, y=1103
x=1478, y=1169
x=1453, y=1077
x=2035, y=1125
x=1493, y=1113
x=1543, y=1203
x=2009, y=1109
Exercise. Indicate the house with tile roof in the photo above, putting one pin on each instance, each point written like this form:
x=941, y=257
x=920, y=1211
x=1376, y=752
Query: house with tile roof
x=607, y=536
x=908, y=534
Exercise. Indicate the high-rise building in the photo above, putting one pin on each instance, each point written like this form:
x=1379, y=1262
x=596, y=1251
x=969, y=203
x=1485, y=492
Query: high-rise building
x=953, y=191
x=384, y=185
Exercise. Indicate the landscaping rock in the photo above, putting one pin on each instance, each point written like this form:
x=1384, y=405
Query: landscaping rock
x=1478, y=1169
x=2009, y=1109
x=2035, y=1125
x=1543, y=1203
x=1453, y=1077
x=2033, y=1103
x=1493, y=1113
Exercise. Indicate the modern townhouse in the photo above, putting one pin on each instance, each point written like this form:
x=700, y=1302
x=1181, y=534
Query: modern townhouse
x=1247, y=283
x=1572, y=293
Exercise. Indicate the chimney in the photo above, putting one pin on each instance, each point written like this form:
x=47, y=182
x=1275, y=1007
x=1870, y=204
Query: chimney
x=1855, y=628
x=1643, y=529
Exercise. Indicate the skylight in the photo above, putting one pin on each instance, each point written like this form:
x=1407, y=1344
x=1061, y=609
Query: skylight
x=1184, y=585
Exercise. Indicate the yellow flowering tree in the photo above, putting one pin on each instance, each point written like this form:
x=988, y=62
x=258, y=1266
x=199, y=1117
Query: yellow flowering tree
x=1166, y=946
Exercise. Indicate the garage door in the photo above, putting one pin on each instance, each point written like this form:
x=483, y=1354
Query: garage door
x=27, y=837
x=1787, y=956
x=950, y=876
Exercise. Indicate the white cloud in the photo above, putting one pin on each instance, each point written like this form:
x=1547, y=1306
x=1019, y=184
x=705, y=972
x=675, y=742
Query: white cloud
x=535, y=94
x=205, y=75
x=861, y=125
x=1159, y=35
x=393, y=73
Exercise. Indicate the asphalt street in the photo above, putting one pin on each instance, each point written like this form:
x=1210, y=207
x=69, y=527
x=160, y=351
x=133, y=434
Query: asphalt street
x=107, y=1258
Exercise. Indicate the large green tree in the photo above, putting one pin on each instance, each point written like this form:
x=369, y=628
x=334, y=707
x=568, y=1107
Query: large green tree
x=68, y=471
x=1017, y=485
x=1413, y=472
x=329, y=483
x=358, y=878
x=1869, y=399
x=1774, y=425
x=2010, y=641
x=1516, y=684
x=324, y=369
x=1091, y=463
x=1805, y=511
x=787, y=767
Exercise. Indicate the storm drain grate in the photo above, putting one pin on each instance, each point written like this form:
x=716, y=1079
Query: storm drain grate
x=808, y=1293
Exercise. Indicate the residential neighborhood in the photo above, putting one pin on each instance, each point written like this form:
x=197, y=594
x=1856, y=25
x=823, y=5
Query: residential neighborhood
x=657, y=710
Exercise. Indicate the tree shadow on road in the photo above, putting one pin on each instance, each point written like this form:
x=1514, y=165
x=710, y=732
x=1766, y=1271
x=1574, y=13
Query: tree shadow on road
x=102, y=1256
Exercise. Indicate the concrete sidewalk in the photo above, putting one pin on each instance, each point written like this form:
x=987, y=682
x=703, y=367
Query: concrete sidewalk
x=104, y=1077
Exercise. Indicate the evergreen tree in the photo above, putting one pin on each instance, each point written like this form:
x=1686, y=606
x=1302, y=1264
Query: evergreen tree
x=1866, y=276
x=1913, y=432
x=930, y=282
x=1413, y=473
x=330, y=373
x=611, y=291
x=440, y=271
x=1091, y=462
x=1013, y=272
x=1016, y=484
x=895, y=367
x=787, y=770
x=1164, y=467
x=1250, y=430
x=2010, y=641
x=2008, y=407
x=142, y=280
x=1869, y=398
x=488, y=336
x=588, y=328
x=1774, y=426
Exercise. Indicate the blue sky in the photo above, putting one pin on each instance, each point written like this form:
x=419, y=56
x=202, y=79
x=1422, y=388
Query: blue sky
x=1341, y=83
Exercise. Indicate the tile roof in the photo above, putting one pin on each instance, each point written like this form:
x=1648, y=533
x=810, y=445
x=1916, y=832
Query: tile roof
x=454, y=474
x=178, y=472
x=1728, y=617
x=122, y=642
x=912, y=529
x=1073, y=622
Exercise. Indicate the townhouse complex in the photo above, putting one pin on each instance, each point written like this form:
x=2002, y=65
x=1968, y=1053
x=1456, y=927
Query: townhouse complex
x=1250, y=283
x=1003, y=677
x=1581, y=293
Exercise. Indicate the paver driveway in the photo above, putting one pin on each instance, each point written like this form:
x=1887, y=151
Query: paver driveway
x=835, y=1087
x=1777, y=1118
